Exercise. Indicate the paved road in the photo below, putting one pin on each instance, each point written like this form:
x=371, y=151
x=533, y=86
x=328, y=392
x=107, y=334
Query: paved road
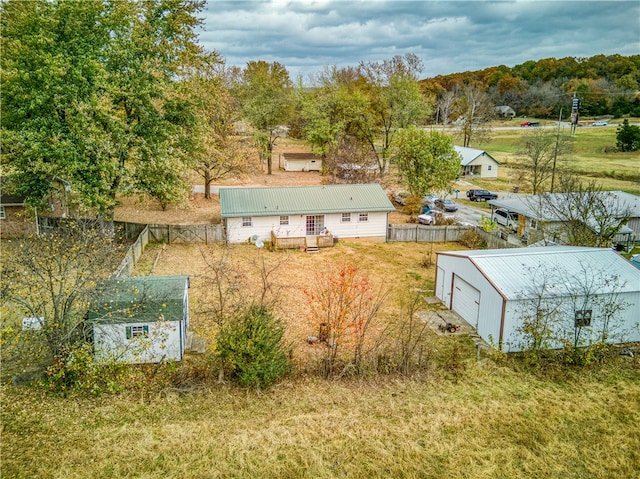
x=469, y=215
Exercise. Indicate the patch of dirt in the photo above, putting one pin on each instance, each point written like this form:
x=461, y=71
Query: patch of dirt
x=198, y=210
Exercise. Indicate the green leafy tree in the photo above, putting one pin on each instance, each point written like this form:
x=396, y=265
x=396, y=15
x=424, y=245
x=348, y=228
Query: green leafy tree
x=266, y=94
x=217, y=154
x=90, y=95
x=628, y=137
x=426, y=161
x=395, y=102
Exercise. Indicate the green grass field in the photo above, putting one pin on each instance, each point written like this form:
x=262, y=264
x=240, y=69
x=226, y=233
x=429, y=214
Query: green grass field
x=615, y=171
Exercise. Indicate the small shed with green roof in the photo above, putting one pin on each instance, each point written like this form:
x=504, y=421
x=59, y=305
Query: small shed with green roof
x=141, y=319
x=345, y=211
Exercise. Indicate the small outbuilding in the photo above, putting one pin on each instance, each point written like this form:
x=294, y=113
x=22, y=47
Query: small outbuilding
x=476, y=162
x=301, y=162
x=141, y=319
x=344, y=211
x=576, y=293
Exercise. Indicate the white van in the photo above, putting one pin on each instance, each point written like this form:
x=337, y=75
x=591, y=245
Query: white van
x=505, y=218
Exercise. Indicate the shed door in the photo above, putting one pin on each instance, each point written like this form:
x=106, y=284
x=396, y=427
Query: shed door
x=466, y=301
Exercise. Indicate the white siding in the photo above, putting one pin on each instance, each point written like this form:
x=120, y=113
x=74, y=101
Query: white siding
x=624, y=328
x=484, y=162
x=375, y=227
x=165, y=341
x=490, y=308
x=302, y=165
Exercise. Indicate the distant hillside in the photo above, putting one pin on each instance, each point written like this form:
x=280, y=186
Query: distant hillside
x=607, y=85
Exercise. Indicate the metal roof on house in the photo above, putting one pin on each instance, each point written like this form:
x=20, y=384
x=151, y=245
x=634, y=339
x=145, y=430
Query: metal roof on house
x=533, y=206
x=139, y=299
x=236, y=202
x=469, y=155
x=512, y=271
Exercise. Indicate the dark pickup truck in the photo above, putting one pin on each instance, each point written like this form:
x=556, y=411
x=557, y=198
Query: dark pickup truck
x=481, y=195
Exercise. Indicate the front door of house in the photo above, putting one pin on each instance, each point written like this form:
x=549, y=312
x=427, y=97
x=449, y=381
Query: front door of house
x=315, y=224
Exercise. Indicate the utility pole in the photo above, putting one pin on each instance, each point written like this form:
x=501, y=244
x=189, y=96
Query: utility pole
x=575, y=113
x=555, y=152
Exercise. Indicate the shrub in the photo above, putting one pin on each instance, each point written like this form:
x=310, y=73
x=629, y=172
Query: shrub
x=251, y=346
x=75, y=370
x=471, y=239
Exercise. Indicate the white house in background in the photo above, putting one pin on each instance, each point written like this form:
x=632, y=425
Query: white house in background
x=346, y=211
x=495, y=290
x=141, y=319
x=300, y=162
x=476, y=162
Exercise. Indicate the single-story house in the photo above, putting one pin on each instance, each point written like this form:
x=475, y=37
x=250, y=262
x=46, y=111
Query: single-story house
x=535, y=215
x=141, y=319
x=477, y=162
x=505, y=111
x=300, y=162
x=344, y=211
x=571, y=288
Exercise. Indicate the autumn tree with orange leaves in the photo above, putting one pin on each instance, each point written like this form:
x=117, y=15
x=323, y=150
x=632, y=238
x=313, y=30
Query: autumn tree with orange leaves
x=343, y=308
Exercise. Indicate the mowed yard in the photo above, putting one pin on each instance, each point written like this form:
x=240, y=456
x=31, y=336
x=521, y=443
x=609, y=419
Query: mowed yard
x=456, y=419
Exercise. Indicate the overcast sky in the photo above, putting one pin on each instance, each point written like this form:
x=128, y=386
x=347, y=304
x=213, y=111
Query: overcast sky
x=449, y=36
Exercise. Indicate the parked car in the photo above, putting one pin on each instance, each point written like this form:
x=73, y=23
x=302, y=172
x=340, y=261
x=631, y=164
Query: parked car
x=481, y=195
x=435, y=217
x=425, y=218
x=530, y=123
x=599, y=123
x=505, y=218
x=428, y=203
x=447, y=205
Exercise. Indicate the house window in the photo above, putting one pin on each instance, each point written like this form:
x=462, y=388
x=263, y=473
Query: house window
x=534, y=224
x=346, y=218
x=363, y=217
x=2, y=214
x=488, y=167
x=246, y=221
x=284, y=220
x=137, y=331
x=583, y=318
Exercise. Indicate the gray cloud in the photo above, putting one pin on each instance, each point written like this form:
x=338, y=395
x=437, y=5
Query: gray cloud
x=450, y=36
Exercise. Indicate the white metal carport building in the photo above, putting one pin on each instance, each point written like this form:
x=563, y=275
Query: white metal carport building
x=493, y=290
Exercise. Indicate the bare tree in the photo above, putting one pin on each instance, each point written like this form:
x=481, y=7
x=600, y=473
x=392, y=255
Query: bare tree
x=445, y=106
x=52, y=278
x=540, y=151
x=587, y=214
x=475, y=110
x=571, y=307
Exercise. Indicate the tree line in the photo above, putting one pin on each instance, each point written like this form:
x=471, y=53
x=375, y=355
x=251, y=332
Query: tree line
x=606, y=85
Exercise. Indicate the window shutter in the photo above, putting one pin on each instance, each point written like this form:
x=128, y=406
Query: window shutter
x=128, y=332
x=146, y=330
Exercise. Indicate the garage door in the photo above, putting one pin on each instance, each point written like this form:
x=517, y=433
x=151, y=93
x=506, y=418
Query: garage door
x=466, y=301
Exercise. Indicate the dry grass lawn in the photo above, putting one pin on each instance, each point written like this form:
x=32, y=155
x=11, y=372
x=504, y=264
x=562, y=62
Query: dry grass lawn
x=489, y=423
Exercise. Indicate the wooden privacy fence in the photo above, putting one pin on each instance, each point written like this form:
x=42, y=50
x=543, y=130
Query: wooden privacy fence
x=187, y=233
x=418, y=233
x=133, y=254
x=425, y=234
